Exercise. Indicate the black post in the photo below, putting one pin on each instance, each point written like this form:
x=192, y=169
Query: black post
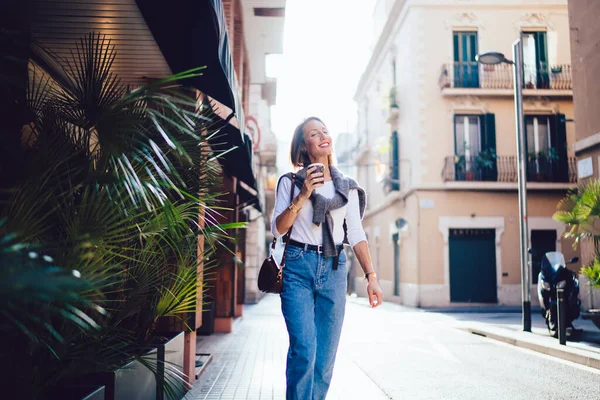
x=562, y=316
x=527, y=316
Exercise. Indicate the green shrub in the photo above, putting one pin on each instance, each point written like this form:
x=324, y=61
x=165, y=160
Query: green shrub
x=592, y=272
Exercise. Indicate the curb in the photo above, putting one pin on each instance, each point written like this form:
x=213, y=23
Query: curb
x=563, y=352
x=479, y=310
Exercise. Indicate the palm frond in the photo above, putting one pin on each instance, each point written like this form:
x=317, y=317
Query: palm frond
x=118, y=186
x=38, y=297
x=580, y=211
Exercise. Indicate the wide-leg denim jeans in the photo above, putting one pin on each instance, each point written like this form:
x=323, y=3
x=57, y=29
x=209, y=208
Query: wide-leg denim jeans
x=313, y=302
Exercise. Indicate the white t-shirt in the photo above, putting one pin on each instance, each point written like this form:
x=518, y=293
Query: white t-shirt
x=305, y=231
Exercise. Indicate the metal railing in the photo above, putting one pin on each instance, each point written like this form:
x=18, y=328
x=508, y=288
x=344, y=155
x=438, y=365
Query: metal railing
x=504, y=169
x=473, y=75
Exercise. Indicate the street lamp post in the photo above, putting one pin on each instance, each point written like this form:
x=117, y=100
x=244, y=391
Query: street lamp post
x=493, y=58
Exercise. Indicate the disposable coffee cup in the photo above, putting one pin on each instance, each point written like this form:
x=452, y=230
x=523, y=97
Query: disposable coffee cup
x=320, y=167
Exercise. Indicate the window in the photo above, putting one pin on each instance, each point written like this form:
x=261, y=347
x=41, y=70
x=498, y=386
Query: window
x=466, y=70
x=547, y=158
x=535, y=60
x=538, y=148
x=475, y=147
x=467, y=129
x=538, y=134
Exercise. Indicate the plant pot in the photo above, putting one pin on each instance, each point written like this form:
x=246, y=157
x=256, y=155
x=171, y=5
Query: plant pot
x=79, y=392
x=530, y=85
x=97, y=394
x=469, y=176
x=134, y=381
x=170, y=357
x=208, y=317
x=539, y=177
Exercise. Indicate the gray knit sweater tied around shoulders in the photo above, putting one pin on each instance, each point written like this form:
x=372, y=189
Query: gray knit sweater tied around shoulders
x=322, y=205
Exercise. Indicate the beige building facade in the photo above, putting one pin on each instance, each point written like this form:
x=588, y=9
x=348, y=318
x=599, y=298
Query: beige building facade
x=438, y=146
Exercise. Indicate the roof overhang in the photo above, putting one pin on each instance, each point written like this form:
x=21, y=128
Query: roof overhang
x=152, y=39
x=263, y=31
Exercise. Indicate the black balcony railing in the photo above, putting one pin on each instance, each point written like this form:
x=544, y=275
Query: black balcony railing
x=504, y=169
x=473, y=75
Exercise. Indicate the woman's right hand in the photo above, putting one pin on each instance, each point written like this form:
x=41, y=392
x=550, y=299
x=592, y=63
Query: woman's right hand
x=313, y=180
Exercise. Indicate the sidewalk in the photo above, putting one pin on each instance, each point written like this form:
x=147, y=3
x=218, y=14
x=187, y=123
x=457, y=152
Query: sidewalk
x=395, y=346
x=249, y=363
x=582, y=347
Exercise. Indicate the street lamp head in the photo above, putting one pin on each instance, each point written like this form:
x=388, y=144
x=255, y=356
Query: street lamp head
x=492, y=58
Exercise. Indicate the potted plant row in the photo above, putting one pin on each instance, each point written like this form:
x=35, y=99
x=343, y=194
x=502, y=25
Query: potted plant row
x=158, y=374
x=99, y=226
x=540, y=164
x=481, y=166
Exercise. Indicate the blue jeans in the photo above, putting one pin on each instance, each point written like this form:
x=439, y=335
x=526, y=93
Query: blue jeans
x=313, y=302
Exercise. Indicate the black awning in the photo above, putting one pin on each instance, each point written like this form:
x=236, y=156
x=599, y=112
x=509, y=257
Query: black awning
x=191, y=34
x=236, y=158
x=248, y=196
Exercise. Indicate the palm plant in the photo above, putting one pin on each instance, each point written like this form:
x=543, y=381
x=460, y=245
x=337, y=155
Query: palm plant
x=580, y=210
x=486, y=159
x=116, y=184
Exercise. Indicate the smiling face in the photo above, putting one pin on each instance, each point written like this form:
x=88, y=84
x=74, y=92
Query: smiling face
x=317, y=142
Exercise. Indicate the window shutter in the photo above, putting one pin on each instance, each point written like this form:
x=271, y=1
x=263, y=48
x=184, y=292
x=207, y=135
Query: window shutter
x=558, y=141
x=472, y=47
x=456, y=48
x=488, y=145
x=541, y=48
x=488, y=141
x=394, y=162
x=542, y=61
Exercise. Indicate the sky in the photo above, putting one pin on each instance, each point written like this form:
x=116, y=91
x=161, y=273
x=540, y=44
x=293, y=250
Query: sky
x=325, y=51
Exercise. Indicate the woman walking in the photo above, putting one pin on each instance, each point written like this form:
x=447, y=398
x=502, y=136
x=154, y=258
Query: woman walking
x=326, y=206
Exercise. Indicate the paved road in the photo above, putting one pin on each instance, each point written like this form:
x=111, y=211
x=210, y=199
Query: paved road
x=410, y=354
x=390, y=352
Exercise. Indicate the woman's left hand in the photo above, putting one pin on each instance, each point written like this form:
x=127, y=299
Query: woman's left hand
x=374, y=292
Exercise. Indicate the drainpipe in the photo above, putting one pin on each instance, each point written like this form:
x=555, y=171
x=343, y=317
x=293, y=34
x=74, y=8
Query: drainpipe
x=418, y=249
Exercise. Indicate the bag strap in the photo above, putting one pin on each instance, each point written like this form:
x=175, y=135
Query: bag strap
x=289, y=232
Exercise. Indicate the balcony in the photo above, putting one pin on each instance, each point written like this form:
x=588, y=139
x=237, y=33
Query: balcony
x=504, y=169
x=472, y=78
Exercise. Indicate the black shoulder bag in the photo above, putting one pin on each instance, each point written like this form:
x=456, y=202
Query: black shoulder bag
x=270, y=279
